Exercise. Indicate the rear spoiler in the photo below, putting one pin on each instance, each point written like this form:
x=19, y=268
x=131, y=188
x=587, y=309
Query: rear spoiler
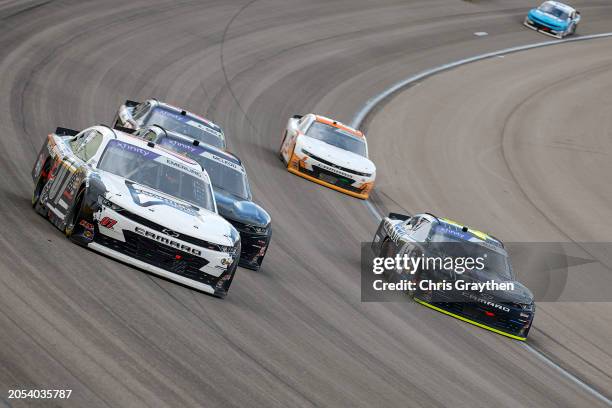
x=131, y=104
x=125, y=130
x=60, y=131
x=401, y=217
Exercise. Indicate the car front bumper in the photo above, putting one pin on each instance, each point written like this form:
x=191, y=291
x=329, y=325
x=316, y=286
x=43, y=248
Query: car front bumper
x=310, y=169
x=204, y=271
x=543, y=29
x=474, y=313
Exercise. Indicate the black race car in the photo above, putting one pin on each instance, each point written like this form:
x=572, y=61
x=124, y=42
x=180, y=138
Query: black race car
x=135, y=115
x=456, y=270
x=231, y=189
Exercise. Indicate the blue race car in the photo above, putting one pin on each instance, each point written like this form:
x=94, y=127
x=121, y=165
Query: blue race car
x=230, y=186
x=553, y=18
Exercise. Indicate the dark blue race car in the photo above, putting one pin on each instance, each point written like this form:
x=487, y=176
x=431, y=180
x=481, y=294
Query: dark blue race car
x=553, y=18
x=231, y=189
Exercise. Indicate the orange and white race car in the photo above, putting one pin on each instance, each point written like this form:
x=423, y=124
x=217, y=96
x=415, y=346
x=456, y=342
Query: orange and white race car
x=329, y=153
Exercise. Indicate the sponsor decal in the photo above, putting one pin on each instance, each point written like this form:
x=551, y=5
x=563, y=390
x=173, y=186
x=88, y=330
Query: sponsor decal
x=180, y=146
x=223, y=161
x=395, y=232
x=133, y=149
x=335, y=170
x=205, y=128
x=171, y=233
x=88, y=226
x=108, y=222
x=183, y=168
x=485, y=302
x=146, y=198
x=167, y=241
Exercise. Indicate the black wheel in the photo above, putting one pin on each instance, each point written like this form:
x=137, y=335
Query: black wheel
x=280, y=151
x=38, y=189
x=75, y=216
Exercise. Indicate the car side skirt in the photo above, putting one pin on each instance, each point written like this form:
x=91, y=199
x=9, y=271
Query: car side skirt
x=329, y=185
x=456, y=316
x=150, y=268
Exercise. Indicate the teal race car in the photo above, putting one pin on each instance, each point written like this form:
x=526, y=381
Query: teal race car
x=553, y=18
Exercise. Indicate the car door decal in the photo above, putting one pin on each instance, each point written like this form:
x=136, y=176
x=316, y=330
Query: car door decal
x=65, y=171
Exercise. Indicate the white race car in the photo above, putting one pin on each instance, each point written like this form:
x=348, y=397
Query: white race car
x=137, y=202
x=329, y=153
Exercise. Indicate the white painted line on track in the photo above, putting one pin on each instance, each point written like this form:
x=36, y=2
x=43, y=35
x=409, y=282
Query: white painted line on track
x=569, y=375
x=371, y=104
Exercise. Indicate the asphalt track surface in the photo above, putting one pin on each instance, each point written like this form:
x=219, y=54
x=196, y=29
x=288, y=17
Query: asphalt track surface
x=295, y=333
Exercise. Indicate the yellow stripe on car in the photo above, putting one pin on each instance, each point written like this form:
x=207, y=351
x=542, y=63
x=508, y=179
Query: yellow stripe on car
x=484, y=326
x=479, y=234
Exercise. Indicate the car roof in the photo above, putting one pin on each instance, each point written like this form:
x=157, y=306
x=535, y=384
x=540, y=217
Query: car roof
x=339, y=125
x=144, y=144
x=177, y=109
x=562, y=6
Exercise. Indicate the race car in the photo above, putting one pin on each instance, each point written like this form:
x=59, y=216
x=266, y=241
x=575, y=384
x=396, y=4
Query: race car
x=553, y=18
x=134, y=115
x=137, y=202
x=485, y=294
x=329, y=153
x=232, y=191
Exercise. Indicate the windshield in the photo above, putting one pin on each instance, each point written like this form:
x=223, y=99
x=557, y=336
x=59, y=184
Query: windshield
x=224, y=174
x=337, y=137
x=158, y=172
x=554, y=10
x=495, y=264
x=186, y=125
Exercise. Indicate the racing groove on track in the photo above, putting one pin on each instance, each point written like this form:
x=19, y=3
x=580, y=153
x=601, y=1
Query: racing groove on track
x=295, y=333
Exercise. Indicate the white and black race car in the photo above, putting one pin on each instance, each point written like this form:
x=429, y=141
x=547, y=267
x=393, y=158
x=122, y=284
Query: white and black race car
x=137, y=202
x=329, y=153
x=135, y=115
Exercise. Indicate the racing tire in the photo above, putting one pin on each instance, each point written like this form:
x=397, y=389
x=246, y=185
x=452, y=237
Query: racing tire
x=38, y=189
x=74, y=217
x=280, y=151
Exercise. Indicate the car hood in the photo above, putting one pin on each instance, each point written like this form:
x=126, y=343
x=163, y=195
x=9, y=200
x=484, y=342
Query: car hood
x=243, y=211
x=333, y=154
x=168, y=211
x=547, y=19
